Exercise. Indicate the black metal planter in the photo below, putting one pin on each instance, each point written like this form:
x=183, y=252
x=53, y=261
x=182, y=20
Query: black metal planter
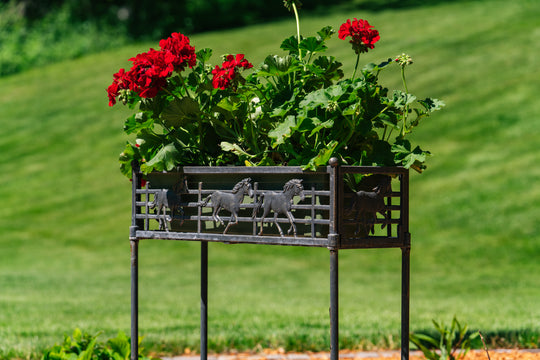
x=275, y=206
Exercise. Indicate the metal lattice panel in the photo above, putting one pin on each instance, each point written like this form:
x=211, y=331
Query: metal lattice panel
x=343, y=207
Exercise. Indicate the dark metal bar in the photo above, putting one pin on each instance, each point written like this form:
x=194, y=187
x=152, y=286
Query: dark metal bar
x=204, y=300
x=405, y=265
x=134, y=248
x=333, y=245
x=334, y=305
x=405, y=301
x=199, y=210
x=134, y=245
x=233, y=238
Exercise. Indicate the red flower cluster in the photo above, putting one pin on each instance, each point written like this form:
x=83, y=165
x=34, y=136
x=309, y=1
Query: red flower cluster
x=227, y=74
x=363, y=35
x=150, y=70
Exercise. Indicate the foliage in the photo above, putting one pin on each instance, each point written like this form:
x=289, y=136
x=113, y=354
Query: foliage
x=83, y=346
x=294, y=109
x=56, y=36
x=453, y=342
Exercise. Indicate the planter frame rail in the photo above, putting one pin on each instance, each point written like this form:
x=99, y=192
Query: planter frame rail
x=189, y=205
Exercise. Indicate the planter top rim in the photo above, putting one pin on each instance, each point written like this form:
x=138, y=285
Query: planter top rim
x=284, y=170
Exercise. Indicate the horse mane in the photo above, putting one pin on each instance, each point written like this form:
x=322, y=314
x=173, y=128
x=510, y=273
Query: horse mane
x=291, y=183
x=240, y=184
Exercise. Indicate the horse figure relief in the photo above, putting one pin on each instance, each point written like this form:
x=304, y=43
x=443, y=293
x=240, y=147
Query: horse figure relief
x=369, y=201
x=280, y=203
x=169, y=199
x=229, y=201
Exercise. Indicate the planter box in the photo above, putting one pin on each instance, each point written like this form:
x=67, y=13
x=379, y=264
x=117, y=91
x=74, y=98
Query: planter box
x=326, y=213
x=336, y=207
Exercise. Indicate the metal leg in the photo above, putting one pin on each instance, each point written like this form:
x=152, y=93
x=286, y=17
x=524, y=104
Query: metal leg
x=334, y=304
x=204, y=300
x=134, y=245
x=405, y=299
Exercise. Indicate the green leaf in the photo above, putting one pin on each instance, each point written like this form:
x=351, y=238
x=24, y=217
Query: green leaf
x=275, y=65
x=204, y=54
x=283, y=131
x=325, y=33
x=402, y=99
x=323, y=156
x=432, y=104
x=165, y=159
x=120, y=346
x=89, y=351
x=385, y=119
x=408, y=158
x=290, y=44
x=331, y=69
x=234, y=148
x=229, y=104
x=312, y=45
x=180, y=112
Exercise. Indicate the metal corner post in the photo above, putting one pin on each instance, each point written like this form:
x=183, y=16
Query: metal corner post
x=333, y=238
x=134, y=244
x=204, y=300
x=134, y=248
x=405, y=269
x=405, y=300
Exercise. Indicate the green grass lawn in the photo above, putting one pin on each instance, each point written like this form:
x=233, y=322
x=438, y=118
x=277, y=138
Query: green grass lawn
x=65, y=215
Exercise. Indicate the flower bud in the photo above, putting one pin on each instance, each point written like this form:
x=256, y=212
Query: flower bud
x=404, y=60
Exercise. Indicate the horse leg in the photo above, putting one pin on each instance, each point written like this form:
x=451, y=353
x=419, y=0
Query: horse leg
x=265, y=212
x=233, y=216
x=158, y=216
x=291, y=220
x=216, y=216
x=383, y=213
x=277, y=224
x=182, y=215
x=164, y=218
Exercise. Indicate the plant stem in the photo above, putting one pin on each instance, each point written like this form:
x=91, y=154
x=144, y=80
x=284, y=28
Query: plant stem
x=184, y=86
x=356, y=66
x=406, y=112
x=297, y=29
x=484, y=342
x=403, y=79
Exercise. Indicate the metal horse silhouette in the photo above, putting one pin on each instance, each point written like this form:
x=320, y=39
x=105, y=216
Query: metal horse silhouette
x=171, y=199
x=229, y=201
x=280, y=203
x=367, y=204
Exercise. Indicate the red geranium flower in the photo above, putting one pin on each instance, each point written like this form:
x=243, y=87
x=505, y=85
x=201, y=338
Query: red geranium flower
x=178, y=45
x=229, y=72
x=363, y=35
x=120, y=82
x=150, y=70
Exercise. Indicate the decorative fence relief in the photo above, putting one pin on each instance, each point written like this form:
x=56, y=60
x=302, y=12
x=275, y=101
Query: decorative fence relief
x=336, y=207
x=366, y=207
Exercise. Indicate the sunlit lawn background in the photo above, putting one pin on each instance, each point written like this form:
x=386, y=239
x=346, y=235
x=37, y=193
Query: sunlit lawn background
x=65, y=214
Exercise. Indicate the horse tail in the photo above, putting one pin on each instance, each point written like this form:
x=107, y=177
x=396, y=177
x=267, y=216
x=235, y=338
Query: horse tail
x=257, y=206
x=205, y=201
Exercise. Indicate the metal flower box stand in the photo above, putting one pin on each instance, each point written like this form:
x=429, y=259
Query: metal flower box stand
x=336, y=207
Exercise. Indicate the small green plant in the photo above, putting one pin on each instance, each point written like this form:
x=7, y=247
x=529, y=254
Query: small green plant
x=83, y=346
x=451, y=343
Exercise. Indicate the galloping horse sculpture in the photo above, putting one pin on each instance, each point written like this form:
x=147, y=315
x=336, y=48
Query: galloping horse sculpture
x=280, y=203
x=229, y=201
x=171, y=199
